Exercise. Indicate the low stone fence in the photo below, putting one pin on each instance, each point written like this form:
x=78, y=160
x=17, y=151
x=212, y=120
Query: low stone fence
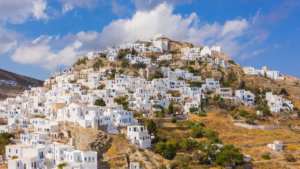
x=248, y=126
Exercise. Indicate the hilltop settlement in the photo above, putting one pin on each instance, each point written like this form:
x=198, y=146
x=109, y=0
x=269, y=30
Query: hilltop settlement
x=153, y=104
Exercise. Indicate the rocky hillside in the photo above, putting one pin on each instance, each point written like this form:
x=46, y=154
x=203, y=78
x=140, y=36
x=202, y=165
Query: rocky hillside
x=232, y=77
x=23, y=83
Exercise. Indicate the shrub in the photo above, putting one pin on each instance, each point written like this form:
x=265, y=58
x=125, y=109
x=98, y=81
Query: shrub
x=123, y=136
x=266, y=111
x=124, y=63
x=169, y=154
x=202, y=114
x=102, y=86
x=136, y=114
x=100, y=102
x=193, y=109
x=82, y=62
x=243, y=113
x=265, y=101
x=15, y=157
x=266, y=157
x=156, y=76
x=97, y=64
x=259, y=107
x=60, y=166
x=250, y=121
x=290, y=158
x=179, y=124
x=162, y=166
x=196, y=84
x=180, y=78
x=229, y=154
x=173, y=120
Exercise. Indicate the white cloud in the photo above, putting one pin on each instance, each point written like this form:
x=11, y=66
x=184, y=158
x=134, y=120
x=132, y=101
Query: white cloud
x=67, y=7
x=119, y=9
x=81, y=3
x=39, y=52
x=18, y=11
x=8, y=40
x=233, y=36
x=146, y=5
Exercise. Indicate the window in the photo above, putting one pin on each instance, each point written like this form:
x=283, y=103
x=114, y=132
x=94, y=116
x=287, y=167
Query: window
x=8, y=150
x=16, y=151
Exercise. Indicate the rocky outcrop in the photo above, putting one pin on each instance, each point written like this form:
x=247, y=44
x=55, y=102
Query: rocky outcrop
x=87, y=139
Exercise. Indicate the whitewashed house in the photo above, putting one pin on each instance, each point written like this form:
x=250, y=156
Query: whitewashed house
x=277, y=103
x=139, y=135
x=246, y=97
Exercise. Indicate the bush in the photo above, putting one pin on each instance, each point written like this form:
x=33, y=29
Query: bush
x=124, y=63
x=202, y=114
x=97, y=64
x=15, y=157
x=193, y=109
x=136, y=114
x=180, y=78
x=123, y=136
x=229, y=154
x=173, y=120
x=179, y=124
x=290, y=158
x=162, y=166
x=266, y=157
x=101, y=87
x=243, y=113
x=100, y=102
x=169, y=154
x=155, y=76
x=259, y=107
x=250, y=121
x=196, y=84
x=266, y=111
x=82, y=62
x=60, y=166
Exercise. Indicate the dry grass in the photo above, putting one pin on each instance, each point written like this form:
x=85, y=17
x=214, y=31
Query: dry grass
x=231, y=134
x=118, y=146
x=3, y=166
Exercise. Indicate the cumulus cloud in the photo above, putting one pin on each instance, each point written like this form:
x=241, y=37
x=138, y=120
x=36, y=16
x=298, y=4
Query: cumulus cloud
x=18, y=12
x=8, y=40
x=146, y=5
x=81, y=3
x=119, y=9
x=39, y=52
x=233, y=36
x=67, y=7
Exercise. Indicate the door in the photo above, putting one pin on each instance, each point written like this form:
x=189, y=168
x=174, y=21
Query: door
x=34, y=164
x=24, y=166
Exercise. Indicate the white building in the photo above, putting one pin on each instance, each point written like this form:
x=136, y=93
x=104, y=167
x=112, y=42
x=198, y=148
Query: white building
x=164, y=57
x=210, y=84
x=246, y=97
x=221, y=62
x=139, y=135
x=277, y=146
x=277, y=103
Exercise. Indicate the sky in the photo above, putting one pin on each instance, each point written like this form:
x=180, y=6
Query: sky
x=38, y=37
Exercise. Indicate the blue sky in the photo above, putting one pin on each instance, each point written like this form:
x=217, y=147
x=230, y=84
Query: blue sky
x=38, y=37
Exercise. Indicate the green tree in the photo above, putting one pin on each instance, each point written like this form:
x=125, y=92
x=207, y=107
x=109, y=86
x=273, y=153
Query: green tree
x=217, y=97
x=171, y=109
x=184, y=145
x=162, y=166
x=151, y=127
x=266, y=111
x=211, y=134
x=124, y=63
x=169, y=154
x=100, y=102
x=132, y=51
x=160, y=147
x=229, y=154
x=102, y=86
x=180, y=78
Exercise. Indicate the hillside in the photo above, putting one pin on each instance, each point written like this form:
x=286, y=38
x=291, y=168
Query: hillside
x=22, y=83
